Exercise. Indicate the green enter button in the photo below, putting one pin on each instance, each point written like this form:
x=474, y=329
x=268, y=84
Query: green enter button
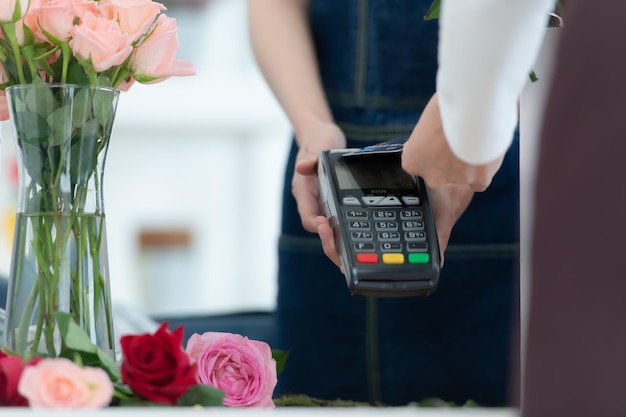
x=419, y=258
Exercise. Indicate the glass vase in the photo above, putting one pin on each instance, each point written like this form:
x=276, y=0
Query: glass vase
x=59, y=260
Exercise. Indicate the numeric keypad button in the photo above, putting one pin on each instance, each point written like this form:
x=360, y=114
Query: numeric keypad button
x=389, y=236
x=413, y=225
x=384, y=226
x=356, y=214
x=359, y=225
x=391, y=247
x=417, y=236
x=384, y=215
x=362, y=236
x=411, y=214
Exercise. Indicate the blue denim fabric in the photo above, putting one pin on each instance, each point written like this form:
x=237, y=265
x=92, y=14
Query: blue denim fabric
x=378, y=66
x=376, y=54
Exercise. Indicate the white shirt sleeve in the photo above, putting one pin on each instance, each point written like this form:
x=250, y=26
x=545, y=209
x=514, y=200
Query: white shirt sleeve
x=486, y=52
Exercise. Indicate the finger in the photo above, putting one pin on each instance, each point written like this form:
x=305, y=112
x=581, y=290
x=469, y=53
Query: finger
x=305, y=191
x=307, y=167
x=479, y=186
x=308, y=213
x=328, y=241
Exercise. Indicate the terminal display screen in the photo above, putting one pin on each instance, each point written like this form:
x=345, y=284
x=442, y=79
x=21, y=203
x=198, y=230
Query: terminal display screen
x=367, y=173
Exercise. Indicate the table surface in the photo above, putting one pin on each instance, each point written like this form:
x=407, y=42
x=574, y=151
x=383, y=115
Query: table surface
x=280, y=412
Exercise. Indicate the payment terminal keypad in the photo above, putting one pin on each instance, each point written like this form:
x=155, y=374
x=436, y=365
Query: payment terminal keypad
x=391, y=233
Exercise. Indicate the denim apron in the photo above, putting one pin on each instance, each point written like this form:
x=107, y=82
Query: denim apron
x=378, y=65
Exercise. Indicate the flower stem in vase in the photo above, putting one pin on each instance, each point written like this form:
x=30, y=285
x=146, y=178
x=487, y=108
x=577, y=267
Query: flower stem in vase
x=60, y=262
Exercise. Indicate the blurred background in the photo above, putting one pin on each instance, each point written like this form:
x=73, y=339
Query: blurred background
x=193, y=177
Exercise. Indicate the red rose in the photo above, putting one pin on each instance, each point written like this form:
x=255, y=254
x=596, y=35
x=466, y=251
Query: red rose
x=156, y=367
x=11, y=368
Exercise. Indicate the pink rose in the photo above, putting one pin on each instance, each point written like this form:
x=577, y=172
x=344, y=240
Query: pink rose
x=135, y=17
x=12, y=10
x=154, y=60
x=126, y=84
x=100, y=41
x=30, y=20
x=244, y=369
x=4, y=105
x=53, y=19
x=60, y=383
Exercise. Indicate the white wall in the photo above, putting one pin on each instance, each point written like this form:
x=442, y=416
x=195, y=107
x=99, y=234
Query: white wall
x=203, y=154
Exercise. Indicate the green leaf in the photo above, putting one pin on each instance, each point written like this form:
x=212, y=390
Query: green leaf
x=32, y=156
x=280, y=356
x=291, y=400
x=29, y=35
x=436, y=402
x=202, y=395
x=103, y=81
x=103, y=106
x=84, y=152
x=39, y=99
x=73, y=336
x=434, y=10
x=76, y=73
x=145, y=79
x=76, y=340
x=109, y=365
x=82, y=108
x=61, y=131
x=31, y=127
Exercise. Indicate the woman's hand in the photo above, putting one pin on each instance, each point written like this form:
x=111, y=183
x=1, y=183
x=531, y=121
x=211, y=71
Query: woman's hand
x=304, y=184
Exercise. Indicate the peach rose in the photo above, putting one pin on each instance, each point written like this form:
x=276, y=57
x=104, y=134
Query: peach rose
x=126, y=84
x=155, y=59
x=134, y=16
x=53, y=19
x=243, y=368
x=12, y=10
x=4, y=105
x=60, y=383
x=101, y=42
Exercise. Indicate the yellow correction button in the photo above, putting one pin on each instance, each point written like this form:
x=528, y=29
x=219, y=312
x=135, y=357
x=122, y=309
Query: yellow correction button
x=393, y=258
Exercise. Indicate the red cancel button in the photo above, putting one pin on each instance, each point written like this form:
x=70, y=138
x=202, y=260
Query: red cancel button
x=367, y=258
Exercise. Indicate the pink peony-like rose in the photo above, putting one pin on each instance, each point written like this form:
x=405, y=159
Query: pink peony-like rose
x=135, y=17
x=100, y=41
x=60, y=383
x=243, y=368
x=155, y=59
x=12, y=10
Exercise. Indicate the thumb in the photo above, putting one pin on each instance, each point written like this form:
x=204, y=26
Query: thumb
x=306, y=167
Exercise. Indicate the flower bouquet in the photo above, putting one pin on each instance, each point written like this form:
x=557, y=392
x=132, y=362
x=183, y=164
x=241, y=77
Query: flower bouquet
x=63, y=64
x=214, y=369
